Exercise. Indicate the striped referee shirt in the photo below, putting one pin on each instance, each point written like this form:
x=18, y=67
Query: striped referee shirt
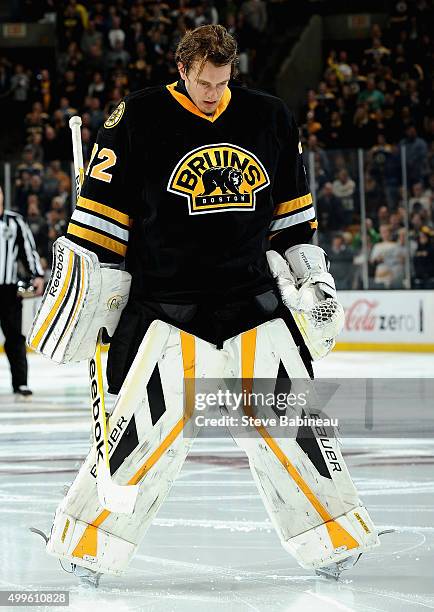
x=16, y=244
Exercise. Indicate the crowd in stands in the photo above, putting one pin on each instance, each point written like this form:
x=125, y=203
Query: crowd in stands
x=105, y=50
x=380, y=99
x=395, y=245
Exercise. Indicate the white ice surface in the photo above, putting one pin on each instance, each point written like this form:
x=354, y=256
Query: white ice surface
x=212, y=547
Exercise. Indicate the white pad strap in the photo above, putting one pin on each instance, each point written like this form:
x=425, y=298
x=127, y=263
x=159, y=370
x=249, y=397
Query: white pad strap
x=81, y=298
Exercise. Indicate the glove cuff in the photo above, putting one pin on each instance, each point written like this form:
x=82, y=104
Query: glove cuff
x=306, y=260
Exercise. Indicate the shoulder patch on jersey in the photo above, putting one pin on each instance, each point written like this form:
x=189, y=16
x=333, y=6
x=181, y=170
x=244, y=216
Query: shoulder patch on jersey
x=116, y=116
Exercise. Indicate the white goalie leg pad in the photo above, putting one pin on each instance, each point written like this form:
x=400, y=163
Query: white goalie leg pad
x=81, y=298
x=148, y=445
x=302, y=478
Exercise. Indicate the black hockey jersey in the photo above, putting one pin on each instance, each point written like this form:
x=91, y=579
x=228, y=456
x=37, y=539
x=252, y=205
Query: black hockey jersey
x=192, y=202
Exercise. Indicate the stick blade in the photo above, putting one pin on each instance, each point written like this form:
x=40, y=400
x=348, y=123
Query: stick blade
x=120, y=499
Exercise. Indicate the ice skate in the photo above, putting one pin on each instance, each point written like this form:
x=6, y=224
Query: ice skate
x=87, y=578
x=334, y=570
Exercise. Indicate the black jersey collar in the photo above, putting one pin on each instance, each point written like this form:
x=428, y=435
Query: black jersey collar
x=179, y=92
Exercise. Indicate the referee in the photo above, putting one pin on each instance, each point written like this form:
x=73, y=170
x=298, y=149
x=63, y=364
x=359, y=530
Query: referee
x=16, y=244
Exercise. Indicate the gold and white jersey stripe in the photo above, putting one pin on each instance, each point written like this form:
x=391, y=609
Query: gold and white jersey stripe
x=99, y=224
x=293, y=212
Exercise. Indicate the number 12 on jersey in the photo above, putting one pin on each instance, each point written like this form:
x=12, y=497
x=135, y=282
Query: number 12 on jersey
x=108, y=159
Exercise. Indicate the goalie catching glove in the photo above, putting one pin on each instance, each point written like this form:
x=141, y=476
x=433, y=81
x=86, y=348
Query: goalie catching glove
x=82, y=296
x=308, y=290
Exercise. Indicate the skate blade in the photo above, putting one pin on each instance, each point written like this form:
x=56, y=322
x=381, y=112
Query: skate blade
x=89, y=582
x=328, y=573
x=334, y=570
x=39, y=532
x=87, y=578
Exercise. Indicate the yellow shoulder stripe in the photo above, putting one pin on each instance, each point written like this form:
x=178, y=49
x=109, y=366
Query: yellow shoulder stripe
x=102, y=209
x=97, y=238
x=286, y=207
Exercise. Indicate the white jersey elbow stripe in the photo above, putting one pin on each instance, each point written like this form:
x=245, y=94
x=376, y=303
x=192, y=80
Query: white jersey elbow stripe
x=94, y=222
x=300, y=217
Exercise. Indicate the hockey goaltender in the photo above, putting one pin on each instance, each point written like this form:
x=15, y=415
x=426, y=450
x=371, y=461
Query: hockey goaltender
x=196, y=195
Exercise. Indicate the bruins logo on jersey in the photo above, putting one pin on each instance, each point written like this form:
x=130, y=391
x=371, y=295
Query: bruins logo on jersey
x=116, y=116
x=218, y=178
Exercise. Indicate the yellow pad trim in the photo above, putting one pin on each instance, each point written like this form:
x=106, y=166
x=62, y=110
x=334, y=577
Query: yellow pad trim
x=192, y=108
x=291, y=205
x=102, y=209
x=87, y=544
x=97, y=238
x=338, y=535
x=53, y=311
x=189, y=362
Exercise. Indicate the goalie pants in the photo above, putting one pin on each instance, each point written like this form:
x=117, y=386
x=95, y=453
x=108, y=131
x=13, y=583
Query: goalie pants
x=213, y=322
x=10, y=323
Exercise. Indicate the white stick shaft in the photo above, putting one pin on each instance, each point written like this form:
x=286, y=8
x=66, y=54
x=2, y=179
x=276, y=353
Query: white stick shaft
x=113, y=497
x=77, y=151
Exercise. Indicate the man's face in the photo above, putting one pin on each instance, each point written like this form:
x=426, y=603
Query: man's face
x=207, y=87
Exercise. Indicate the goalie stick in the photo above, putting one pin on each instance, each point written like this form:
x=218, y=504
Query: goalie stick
x=116, y=498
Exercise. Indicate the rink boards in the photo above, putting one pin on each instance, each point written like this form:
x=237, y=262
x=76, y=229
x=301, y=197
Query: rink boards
x=374, y=321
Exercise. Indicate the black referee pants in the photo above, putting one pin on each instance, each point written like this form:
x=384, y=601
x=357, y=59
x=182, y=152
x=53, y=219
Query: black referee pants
x=10, y=323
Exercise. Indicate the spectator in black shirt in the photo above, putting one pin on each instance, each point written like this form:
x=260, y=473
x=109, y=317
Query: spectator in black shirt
x=330, y=212
x=341, y=262
x=423, y=262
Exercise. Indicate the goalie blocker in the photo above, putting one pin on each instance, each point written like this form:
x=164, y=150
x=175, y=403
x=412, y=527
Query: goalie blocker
x=82, y=296
x=313, y=504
